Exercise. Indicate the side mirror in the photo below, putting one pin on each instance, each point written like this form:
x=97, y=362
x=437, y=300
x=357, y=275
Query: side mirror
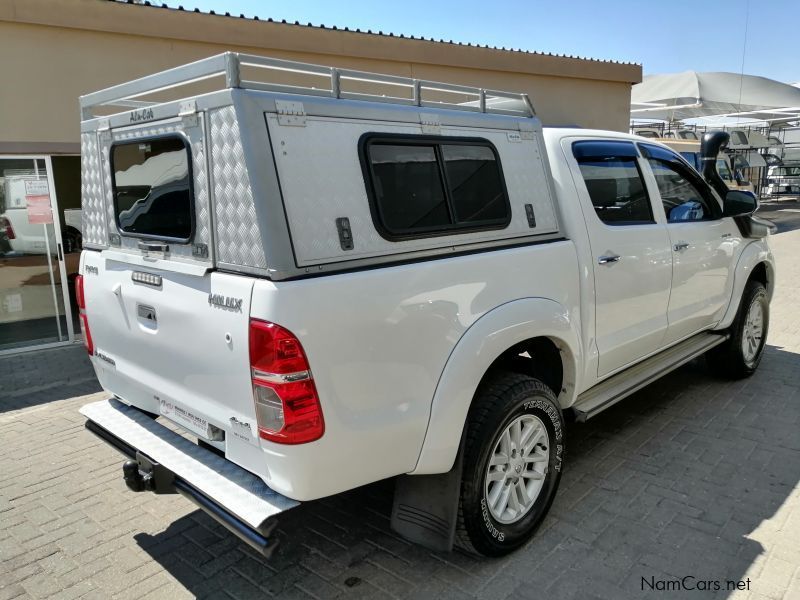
x=739, y=203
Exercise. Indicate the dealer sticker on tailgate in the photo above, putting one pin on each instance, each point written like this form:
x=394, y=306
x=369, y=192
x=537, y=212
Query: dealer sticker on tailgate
x=185, y=418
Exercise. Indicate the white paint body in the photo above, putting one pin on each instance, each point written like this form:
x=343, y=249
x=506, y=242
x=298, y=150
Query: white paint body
x=72, y=218
x=397, y=351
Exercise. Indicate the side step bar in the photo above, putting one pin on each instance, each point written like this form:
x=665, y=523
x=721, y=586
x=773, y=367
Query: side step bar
x=607, y=393
x=164, y=462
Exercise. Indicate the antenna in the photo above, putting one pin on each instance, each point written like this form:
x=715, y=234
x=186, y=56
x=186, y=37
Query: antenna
x=744, y=51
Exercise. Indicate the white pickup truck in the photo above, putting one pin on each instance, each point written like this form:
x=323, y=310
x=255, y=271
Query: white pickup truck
x=289, y=292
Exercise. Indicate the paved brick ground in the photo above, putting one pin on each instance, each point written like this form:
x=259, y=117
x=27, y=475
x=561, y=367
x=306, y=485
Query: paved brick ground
x=692, y=476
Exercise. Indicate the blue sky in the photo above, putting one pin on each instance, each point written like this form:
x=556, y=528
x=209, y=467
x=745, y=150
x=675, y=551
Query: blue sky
x=663, y=36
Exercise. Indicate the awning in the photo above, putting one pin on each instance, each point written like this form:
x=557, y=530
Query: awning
x=690, y=95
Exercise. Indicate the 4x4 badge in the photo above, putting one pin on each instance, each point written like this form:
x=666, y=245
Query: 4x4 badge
x=234, y=304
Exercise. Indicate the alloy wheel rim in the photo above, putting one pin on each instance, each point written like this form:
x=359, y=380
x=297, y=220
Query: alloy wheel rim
x=753, y=331
x=517, y=468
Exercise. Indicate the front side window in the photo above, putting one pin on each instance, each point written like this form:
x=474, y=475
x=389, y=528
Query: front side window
x=427, y=186
x=693, y=158
x=681, y=199
x=683, y=193
x=614, y=182
x=152, y=183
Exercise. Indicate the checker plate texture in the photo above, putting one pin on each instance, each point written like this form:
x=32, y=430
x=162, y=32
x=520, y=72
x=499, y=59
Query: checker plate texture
x=94, y=224
x=234, y=488
x=238, y=235
x=200, y=180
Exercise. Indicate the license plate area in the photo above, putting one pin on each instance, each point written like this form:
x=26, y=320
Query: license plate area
x=190, y=420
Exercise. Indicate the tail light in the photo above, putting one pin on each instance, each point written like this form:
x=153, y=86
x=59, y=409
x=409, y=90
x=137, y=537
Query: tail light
x=5, y=225
x=287, y=407
x=87, y=336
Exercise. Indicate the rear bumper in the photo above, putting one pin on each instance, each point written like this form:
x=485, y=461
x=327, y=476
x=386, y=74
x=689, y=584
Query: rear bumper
x=234, y=497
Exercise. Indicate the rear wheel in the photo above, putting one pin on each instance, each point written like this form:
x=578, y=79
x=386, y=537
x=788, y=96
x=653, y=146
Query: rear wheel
x=512, y=464
x=73, y=240
x=740, y=355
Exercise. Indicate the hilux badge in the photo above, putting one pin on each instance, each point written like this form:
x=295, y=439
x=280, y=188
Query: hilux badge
x=234, y=304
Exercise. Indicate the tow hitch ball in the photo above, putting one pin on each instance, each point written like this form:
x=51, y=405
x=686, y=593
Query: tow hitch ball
x=145, y=475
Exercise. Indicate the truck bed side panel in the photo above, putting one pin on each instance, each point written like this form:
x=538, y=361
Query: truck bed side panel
x=378, y=341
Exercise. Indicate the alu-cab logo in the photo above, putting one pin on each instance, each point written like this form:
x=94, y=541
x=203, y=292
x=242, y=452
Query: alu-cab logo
x=141, y=115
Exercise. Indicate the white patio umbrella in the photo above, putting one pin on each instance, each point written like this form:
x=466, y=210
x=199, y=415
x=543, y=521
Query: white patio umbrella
x=691, y=95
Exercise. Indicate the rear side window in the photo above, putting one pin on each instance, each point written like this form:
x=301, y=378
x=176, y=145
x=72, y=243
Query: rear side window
x=422, y=186
x=614, y=182
x=152, y=186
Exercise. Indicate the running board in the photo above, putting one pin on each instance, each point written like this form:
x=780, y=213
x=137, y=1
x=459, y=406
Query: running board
x=607, y=393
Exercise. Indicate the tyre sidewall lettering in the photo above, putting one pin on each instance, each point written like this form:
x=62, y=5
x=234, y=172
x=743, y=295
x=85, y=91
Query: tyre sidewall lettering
x=551, y=417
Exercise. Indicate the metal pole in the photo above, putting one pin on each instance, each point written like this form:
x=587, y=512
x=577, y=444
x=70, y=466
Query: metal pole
x=62, y=265
x=335, y=83
x=232, y=73
x=49, y=259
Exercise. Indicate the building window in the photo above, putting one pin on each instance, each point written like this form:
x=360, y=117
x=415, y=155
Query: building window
x=152, y=183
x=422, y=186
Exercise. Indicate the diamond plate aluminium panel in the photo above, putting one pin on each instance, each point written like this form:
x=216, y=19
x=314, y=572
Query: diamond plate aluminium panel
x=203, y=228
x=93, y=217
x=239, y=491
x=238, y=235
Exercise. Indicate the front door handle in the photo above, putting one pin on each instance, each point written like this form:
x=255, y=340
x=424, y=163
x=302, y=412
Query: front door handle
x=608, y=258
x=680, y=246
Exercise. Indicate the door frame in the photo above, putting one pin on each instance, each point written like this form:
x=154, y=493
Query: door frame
x=66, y=303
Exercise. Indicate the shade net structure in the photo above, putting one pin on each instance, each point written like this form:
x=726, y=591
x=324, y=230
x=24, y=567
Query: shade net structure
x=692, y=95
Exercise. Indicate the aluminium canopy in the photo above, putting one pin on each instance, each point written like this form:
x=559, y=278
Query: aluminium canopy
x=691, y=95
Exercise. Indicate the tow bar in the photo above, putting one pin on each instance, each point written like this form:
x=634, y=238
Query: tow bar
x=143, y=474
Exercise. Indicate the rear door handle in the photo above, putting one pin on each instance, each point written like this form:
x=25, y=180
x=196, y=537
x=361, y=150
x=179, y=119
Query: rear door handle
x=153, y=247
x=608, y=258
x=680, y=246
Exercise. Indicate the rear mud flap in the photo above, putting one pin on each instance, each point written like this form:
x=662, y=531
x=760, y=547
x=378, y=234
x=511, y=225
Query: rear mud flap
x=164, y=462
x=425, y=508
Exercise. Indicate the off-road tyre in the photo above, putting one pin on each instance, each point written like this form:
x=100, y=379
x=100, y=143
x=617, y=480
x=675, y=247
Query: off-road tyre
x=728, y=359
x=498, y=402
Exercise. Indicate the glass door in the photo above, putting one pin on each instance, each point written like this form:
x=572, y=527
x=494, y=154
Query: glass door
x=34, y=302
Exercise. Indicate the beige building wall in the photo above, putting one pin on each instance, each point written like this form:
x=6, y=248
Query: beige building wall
x=56, y=50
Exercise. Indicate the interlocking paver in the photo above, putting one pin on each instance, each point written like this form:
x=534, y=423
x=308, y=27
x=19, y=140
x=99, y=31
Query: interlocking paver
x=691, y=476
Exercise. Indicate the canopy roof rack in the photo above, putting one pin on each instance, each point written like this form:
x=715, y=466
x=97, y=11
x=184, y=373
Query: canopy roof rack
x=228, y=64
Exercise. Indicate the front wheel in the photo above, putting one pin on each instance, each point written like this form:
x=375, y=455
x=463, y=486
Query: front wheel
x=741, y=354
x=512, y=464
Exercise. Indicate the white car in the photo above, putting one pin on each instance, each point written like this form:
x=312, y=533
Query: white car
x=327, y=288
x=20, y=235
